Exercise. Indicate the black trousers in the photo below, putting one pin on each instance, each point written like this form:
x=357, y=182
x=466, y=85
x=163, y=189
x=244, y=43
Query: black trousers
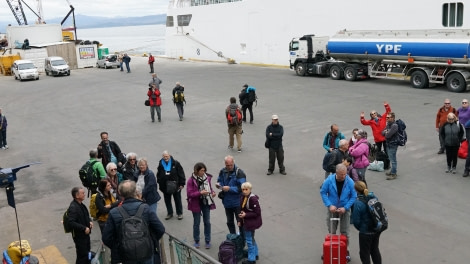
x=369, y=247
x=279, y=154
x=230, y=213
x=451, y=154
x=82, y=248
x=250, y=108
x=178, y=204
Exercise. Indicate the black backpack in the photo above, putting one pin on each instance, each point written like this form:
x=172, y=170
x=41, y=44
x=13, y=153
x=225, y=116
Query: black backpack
x=135, y=242
x=377, y=213
x=227, y=252
x=252, y=95
x=88, y=175
x=402, y=137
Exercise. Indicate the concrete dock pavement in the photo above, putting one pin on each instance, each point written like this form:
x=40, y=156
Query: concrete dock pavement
x=57, y=120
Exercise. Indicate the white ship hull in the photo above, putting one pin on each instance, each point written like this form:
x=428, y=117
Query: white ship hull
x=259, y=31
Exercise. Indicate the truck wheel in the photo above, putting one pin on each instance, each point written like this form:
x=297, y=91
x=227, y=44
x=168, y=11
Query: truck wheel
x=419, y=80
x=456, y=83
x=335, y=72
x=300, y=69
x=350, y=74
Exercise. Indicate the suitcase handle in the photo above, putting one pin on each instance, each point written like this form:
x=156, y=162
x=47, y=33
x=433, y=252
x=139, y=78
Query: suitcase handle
x=331, y=238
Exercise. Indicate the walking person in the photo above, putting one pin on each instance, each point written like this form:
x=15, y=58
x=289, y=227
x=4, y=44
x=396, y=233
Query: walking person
x=377, y=123
x=274, y=133
x=441, y=119
x=81, y=224
x=247, y=96
x=151, y=61
x=200, y=202
x=126, y=59
x=362, y=220
x=230, y=180
x=171, y=178
x=233, y=115
x=112, y=232
x=178, y=99
x=452, y=133
x=3, y=130
x=155, y=102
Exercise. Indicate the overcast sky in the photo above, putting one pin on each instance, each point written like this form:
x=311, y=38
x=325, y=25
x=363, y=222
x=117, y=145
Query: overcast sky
x=104, y=8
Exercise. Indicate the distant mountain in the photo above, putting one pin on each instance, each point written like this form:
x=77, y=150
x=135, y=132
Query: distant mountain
x=83, y=21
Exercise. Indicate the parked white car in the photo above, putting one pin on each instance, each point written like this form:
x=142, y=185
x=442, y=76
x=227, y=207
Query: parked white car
x=108, y=61
x=56, y=66
x=24, y=69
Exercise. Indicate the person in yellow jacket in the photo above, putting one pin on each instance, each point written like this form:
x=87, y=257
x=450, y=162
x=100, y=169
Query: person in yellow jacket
x=105, y=201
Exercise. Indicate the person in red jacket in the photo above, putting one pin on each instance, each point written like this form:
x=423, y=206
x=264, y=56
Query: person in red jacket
x=155, y=102
x=151, y=61
x=377, y=123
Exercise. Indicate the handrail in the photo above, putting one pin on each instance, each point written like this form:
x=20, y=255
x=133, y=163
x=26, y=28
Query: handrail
x=172, y=240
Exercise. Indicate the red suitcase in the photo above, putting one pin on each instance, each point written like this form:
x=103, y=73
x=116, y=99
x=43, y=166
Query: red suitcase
x=335, y=248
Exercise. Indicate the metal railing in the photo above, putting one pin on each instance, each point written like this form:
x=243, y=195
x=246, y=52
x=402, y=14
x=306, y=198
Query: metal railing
x=185, y=253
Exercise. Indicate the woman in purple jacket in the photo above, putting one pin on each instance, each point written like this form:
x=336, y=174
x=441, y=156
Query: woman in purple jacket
x=199, y=192
x=251, y=220
x=360, y=152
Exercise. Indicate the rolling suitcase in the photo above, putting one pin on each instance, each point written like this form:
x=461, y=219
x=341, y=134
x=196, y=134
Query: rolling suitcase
x=335, y=247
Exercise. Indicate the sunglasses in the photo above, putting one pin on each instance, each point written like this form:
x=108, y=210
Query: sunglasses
x=113, y=169
x=464, y=102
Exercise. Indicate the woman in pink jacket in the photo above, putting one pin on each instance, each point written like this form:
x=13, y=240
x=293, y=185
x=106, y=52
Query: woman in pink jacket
x=360, y=152
x=200, y=201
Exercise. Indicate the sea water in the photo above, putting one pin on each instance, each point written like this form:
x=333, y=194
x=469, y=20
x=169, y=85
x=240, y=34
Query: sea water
x=134, y=40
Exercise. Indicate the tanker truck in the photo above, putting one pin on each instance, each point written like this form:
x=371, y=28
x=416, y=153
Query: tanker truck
x=423, y=57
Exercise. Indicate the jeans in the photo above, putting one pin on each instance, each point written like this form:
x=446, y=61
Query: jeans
x=362, y=174
x=344, y=223
x=180, y=108
x=279, y=153
x=178, y=205
x=3, y=138
x=369, y=247
x=120, y=65
x=152, y=112
x=250, y=108
x=251, y=244
x=230, y=213
x=151, y=67
x=392, y=155
x=206, y=216
x=127, y=67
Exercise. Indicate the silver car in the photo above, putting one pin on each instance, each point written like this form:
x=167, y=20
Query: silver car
x=108, y=61
x=24, y=69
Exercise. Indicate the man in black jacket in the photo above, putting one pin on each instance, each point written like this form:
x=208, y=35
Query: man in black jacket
x=274, y=133
x=131, y=204
x=109, y=151
x=81, y=224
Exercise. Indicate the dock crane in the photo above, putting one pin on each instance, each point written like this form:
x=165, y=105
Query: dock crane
x=16, y=7
x=72, y=11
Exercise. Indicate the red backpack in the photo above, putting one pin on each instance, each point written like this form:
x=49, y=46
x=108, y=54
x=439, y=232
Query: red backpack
x=234, y=116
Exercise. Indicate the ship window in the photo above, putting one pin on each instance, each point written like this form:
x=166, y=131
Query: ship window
x=169, y=21
x=184, y=20
x=452, y=15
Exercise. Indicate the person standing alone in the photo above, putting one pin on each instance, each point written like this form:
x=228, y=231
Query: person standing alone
x=151, y=61
x=234, y=118
x=178, y=99
x=274, y=133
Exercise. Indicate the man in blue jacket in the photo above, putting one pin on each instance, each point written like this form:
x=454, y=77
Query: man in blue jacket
x=338, y=195
x=230, y=181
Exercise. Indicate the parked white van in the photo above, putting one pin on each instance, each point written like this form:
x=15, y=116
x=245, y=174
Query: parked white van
x=56, y=66
x=24, y=69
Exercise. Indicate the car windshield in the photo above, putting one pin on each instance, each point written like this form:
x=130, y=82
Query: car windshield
x=58, y=62
x=26, y=66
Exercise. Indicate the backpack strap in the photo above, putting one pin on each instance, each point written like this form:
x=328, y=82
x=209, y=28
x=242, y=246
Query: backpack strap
x=123, y=212
x=140, y=211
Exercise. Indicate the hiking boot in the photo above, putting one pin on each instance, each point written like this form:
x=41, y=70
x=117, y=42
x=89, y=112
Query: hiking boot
x=448, y=170
x=6, y=146
x=388, y=173
x=269, y=172
x=180, y=217
x=283, y=172
x=441, y=151
x=392, y=177
x=454, y=170
x=465, y=174
x=169, y=217
x=239, y=150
